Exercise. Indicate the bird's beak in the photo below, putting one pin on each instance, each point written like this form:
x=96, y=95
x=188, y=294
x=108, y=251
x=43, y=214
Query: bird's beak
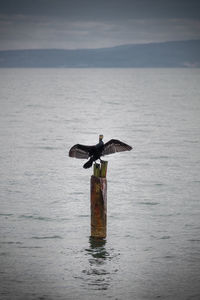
x=101, y=137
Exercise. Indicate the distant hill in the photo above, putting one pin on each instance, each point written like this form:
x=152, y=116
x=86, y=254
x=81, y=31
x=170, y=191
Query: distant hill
x=155, y=55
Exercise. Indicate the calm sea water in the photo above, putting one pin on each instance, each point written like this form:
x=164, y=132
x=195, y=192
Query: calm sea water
x=153, y=245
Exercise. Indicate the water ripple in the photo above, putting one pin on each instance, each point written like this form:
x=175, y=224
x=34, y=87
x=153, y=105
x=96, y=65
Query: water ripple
x=46, y=237
x=149, y=203
x=38, y=218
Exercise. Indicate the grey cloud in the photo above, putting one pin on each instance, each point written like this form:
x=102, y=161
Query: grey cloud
x=93, y=24
x=19, y=32
x=104, y=9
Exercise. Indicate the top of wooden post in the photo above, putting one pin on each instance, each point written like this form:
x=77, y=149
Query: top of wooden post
x=100, y=170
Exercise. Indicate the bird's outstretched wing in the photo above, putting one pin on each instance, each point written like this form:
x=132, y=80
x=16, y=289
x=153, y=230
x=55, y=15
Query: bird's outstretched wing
x=113, y=146
x=81, y=151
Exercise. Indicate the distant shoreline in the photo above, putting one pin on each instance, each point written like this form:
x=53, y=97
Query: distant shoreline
x=176, y=54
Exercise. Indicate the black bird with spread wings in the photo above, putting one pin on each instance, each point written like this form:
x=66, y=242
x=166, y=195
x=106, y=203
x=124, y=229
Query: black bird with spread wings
x=95, y=152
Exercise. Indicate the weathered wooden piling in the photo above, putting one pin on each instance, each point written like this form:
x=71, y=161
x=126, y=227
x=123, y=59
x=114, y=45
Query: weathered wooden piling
x=98, y=200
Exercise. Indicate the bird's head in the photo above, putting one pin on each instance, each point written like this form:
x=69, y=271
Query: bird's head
x=100, y=137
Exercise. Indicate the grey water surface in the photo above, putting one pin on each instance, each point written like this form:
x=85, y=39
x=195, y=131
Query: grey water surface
x=152, y=249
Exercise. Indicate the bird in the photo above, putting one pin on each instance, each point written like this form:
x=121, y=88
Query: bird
x=96, y=151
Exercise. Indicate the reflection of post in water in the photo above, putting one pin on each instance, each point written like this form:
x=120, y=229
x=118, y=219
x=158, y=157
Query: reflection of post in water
x=98, y=275
x=97, y=250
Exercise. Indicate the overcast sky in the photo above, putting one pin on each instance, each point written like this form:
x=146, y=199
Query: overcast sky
x=31, y=24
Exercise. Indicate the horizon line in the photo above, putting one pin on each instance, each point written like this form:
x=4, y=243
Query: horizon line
x=107, y=47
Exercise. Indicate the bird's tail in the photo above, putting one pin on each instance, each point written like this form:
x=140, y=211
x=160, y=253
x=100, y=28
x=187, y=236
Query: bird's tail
x=88, y=164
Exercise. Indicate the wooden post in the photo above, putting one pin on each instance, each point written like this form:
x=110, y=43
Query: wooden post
x=96, y=170
x=98, y=200
x=103, y=171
